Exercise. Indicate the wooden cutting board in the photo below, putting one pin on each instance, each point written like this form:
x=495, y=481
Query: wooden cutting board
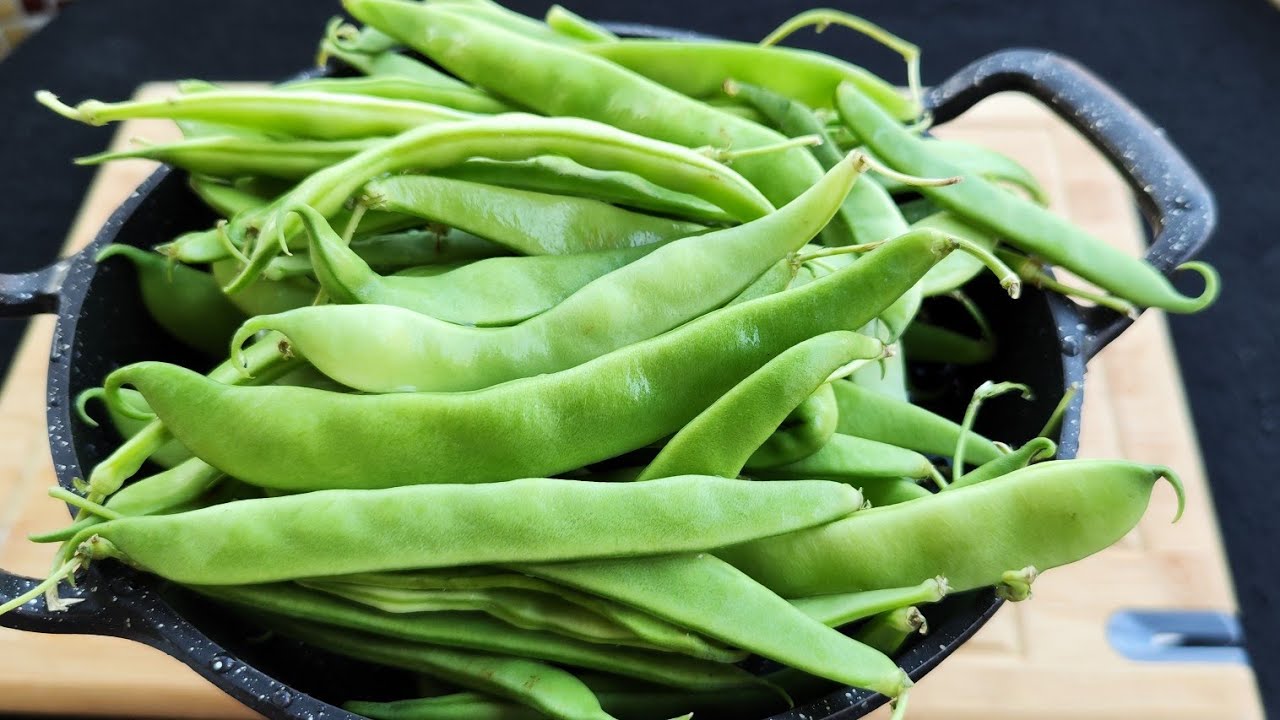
x=1048, y=658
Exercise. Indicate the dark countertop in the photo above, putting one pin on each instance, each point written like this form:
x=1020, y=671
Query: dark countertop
x=1207, y=71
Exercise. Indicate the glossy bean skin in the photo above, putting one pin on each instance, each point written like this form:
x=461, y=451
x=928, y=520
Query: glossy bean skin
x=721, y=439
x=1021, y=223
x=399, y=87
x=408, y=351
x=529, y=223
x=501, y=137
x=321, y=116
x=645, y=392
x=494, y=292
x=231, y=156
x=565, y=81
x=1032, y=451
x=706, y=594
x=843, y=608
x=427, y=526
x=1045, y=515
x=185, y=302
x=562, y=176
x=699, y=69
x=805, y=431
x=868, y=415
x=477, y=632
x=545, y=688
x=849, y=458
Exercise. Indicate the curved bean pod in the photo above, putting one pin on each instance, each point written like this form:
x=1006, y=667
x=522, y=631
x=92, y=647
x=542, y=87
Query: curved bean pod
x=805, y=431
x=399, y=87
x=407, y=351
x=645, y=393
x=402, y=253
x=721, y=439
x=848, y=458
x=1020, y=222
x=1032, y=451
x=710, y=596
x=267, y=296
x=1045, y=515
x=984, y=161
x=872, y=416
x=497, y=291
x=530, y=223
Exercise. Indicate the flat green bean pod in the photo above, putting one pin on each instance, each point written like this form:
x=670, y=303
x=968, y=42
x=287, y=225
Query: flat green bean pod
x=984, y=161
x=1045, y=515
x=231, y=156
x=497, y=291
x=1020, y=222
x=844, y=608
x=389, y=349
x=185, y=302
x=699, y=68
x=1032, y=451
x=399, y=87
x=849, y=458
x=224, y=198
x=530, y=223
x=305, y=439
x=323, y=116
x=873, y=416
x=475, y=631
x=721, y=439
x=706, y=594
x=397, y=252
x=267, y=296
x=500, y=137
x=424, y=526
x=805, y=431
x=562, y=176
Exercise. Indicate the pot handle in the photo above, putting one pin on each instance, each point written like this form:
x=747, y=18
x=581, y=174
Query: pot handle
x=35, y=292
x=1172, y=196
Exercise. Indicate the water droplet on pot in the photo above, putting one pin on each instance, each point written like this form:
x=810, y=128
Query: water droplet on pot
x=221, y=663
x=121, y=586
x=281, y=698
x=1070, y=346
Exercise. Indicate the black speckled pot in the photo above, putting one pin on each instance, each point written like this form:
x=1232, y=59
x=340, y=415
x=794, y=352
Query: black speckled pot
x=102, y=325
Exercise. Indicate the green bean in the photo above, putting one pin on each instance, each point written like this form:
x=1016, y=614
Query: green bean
x=643, y=393
x=721, y=439
x=425, y=526
x=848, y=459
x=803, y=432
x=459, y=706
x=1020, y=222
x=225, y=199
x=877, y=417
x=530, y=223
x=510, y=21
x=129, y=423
x=265, y=364
x=501, y=137
x=525, y=609
x=543, y=687
x=923, y=342
x=562, y=176
x=698, y=68
x=889, y=631
x=960, y=268
x=774, y=280
x=374, y=53
x=668, y=287
x=1046, y=515
x=398, y=252
x=185, y=302
x=654, y=631
x=1015, y=585
x=1032, y=451
x=710, y=596
x=843, y=608
x=565, y=81
x=497, y=291
x=570, y=24
x=879, y=492
x=984, y=161
x=266, y=296
x=323, y=116
x=230, y=156
x=475, y=631
x=1035, y=274
x=399, y=87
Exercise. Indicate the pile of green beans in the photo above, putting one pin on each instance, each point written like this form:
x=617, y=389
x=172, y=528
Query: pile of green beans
x=569, y=371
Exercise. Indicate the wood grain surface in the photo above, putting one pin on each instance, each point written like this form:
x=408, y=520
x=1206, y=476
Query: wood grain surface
x=1047, y=658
